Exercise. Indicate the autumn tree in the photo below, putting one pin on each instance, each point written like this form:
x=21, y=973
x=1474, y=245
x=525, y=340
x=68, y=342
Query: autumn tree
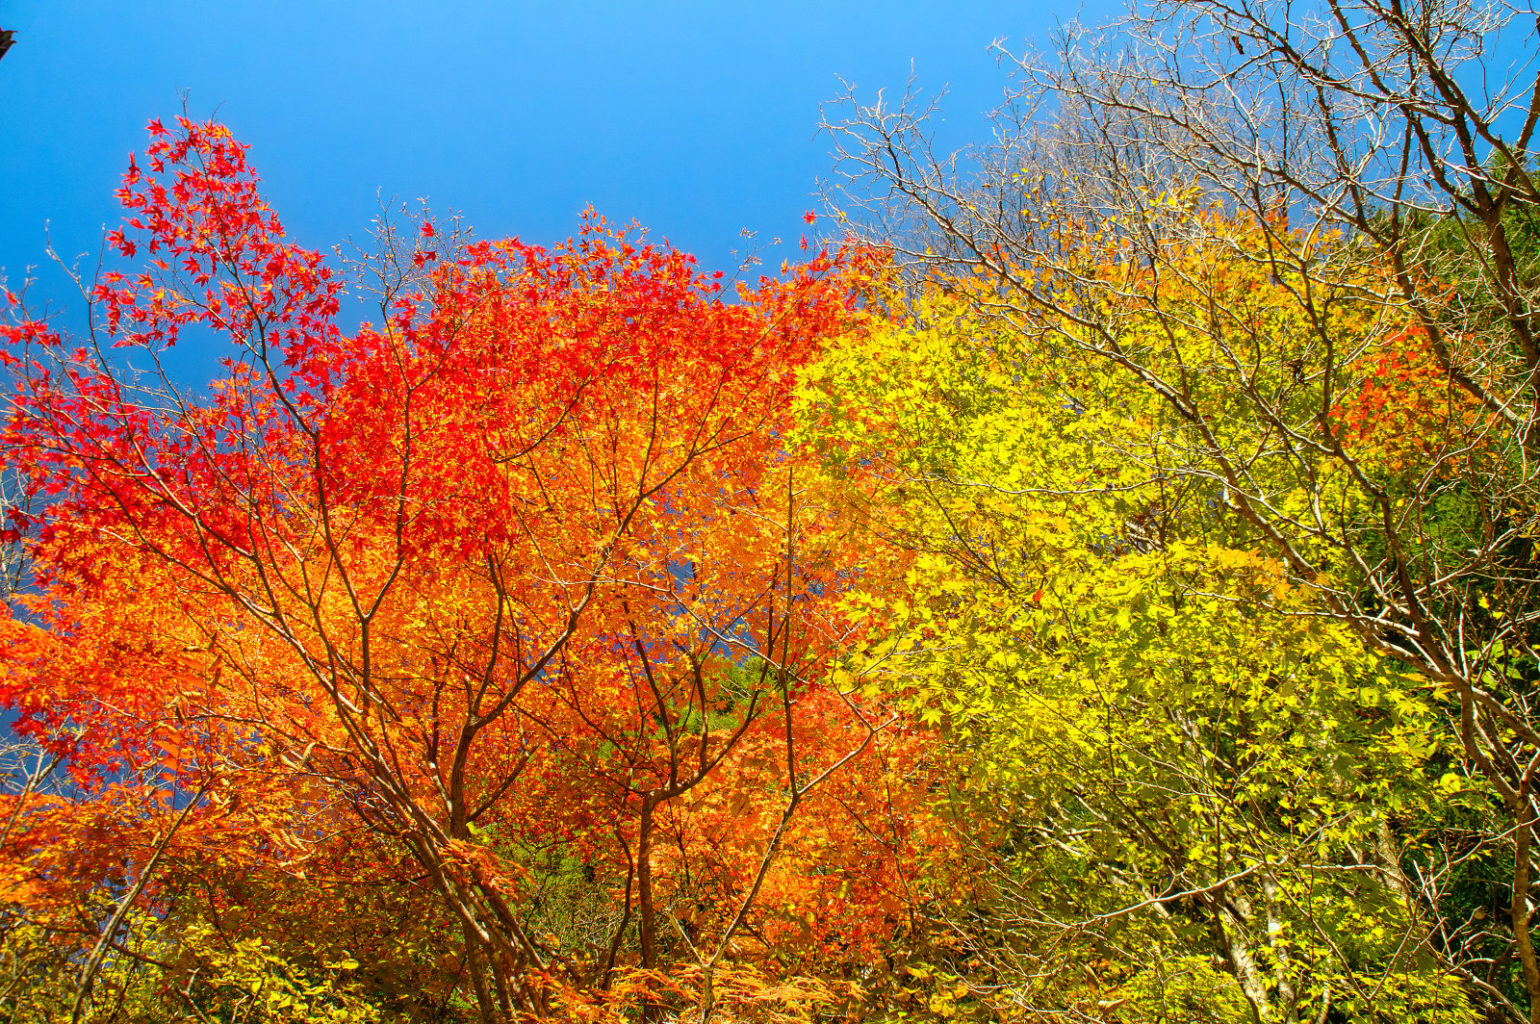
x=521, y=582
x=1183, y=782
x=1333, y=157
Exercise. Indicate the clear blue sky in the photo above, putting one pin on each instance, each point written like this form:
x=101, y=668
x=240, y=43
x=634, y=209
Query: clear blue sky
x=695, y=118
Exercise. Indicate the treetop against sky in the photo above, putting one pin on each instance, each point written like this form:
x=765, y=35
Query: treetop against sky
x=697, y=124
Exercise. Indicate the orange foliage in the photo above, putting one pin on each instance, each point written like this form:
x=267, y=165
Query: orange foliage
x=526, y=569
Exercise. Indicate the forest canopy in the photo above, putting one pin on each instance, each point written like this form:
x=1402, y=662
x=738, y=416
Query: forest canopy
x=1097, y=585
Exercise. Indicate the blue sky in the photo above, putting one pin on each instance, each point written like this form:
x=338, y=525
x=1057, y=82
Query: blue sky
x=697, y=119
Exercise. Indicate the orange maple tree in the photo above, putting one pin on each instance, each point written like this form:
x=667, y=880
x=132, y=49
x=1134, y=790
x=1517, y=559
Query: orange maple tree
x=525, y=571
